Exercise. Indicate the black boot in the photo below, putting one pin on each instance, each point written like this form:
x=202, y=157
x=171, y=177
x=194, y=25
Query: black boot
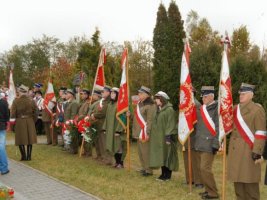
x=168, y=174
x=22, y=152
x=29, y=152
x=116, y=156
x=120, y=161
x=163, y=172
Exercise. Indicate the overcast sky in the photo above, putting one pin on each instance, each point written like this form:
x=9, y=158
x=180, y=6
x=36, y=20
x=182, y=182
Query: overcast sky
x=119, y=20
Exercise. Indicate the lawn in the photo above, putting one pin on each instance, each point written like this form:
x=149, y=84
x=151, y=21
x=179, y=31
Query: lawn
x=107, y=183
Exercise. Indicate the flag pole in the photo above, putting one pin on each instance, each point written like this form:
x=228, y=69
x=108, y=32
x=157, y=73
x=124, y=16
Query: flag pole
x=90, y=102
x=189, y=164
x=128, y=117
x=52, y=116
x=224, y=168
x=226, y=42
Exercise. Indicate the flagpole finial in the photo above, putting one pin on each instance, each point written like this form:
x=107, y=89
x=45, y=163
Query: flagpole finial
x=225, y=41
x=12, y=66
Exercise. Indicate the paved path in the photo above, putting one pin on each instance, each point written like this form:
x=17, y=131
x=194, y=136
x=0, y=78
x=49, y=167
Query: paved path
x=30, y=184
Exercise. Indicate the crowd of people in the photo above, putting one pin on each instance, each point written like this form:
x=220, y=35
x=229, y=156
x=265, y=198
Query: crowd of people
x=154, y=126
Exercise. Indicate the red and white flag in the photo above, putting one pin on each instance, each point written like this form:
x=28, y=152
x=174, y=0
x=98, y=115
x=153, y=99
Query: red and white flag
x=100, y=75
x=187, y=108
x=49, y=98
x=11, y=90
x=225, y=100
x=123, y=98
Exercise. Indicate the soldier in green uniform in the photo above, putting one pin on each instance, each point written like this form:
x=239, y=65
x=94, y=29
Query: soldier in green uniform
x=83, y=110
x=96, y=96
x=163, y=138
x=115, y=137
x=60, y=115
x=84, y=105
x=70, y=113
x=206, y=140
x=24, y=111
x=97, y=118
x=47, y=119
x=147, y=109
x=246, y=145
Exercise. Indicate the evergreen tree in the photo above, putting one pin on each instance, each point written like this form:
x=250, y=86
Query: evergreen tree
x=175, y=49
x=88, y=57
x=160, y=42
x=240, y=41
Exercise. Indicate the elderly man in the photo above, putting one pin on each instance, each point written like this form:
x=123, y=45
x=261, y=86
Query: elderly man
x=206, y=140
x=246, y=145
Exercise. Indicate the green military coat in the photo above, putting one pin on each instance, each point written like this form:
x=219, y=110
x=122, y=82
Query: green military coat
x=24, y=110
x=164, y=124
x=71, y=110
x=99, y=114
x=147, y=110
x=241, y=167
x=111, y=126
x=83, y=110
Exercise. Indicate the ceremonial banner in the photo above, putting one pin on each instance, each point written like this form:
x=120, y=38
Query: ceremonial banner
x=187, y=108
x=11, y=90
x=225, y=99
x=100, y=75
x=49, y=98
x=123, y=98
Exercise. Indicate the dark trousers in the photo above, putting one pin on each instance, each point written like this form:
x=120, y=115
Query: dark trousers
x=39, y=127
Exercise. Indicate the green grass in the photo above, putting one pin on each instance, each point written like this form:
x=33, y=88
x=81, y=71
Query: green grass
x=107, y=183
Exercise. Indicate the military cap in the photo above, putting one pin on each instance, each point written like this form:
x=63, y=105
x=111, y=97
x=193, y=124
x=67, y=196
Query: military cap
x=115, y=89
x=38, y=92
x=86, y=91
x=23, y=88
x=107, y=88
x=162, y=94
x=97, y=92
x=245, y=87
x=38, y=85
x=145, y=89
x=70, y=91
x=206, y=90
x=62, y=88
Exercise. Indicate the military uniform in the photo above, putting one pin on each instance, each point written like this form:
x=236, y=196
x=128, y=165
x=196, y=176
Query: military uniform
x=60, y=118
x=46, y=118
x=242, y=169
x=70, y=113
x=87, y=146
x=71, y=110
x=147, y=110
x=207, y=144
x=163, y=141
x=115, y=136
x=99, y=115
x=24, y=111
x=83, y=110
